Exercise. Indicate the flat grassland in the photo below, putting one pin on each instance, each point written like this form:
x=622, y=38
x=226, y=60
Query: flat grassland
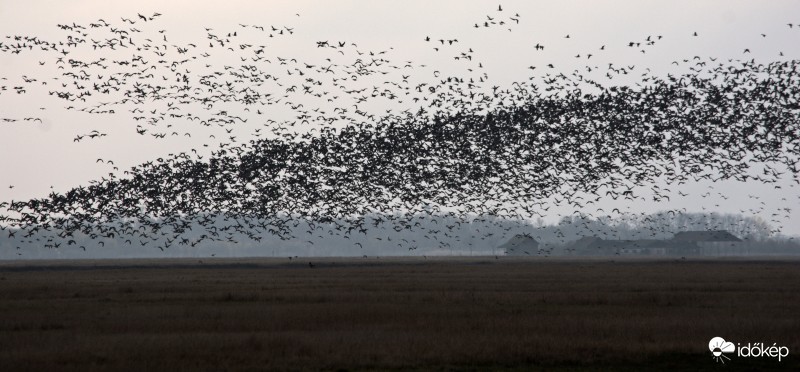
x=394, y=314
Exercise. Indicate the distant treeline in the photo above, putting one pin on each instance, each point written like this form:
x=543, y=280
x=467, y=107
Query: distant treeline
x=423, y=234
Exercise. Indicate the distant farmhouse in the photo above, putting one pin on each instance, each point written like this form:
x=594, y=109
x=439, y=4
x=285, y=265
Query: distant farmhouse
x=687, y=243
x=705, y=236
x=520, y=245
x=712, y=242
x=600, y=247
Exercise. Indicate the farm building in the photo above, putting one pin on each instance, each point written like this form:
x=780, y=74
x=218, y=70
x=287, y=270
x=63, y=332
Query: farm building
x=655, y=247
x=520, y=245
x=594, y=246
x=686, y=243
x=705, y=236
x=711, y=242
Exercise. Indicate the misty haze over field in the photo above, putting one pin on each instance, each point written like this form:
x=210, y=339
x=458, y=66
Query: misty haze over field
x=433, y=236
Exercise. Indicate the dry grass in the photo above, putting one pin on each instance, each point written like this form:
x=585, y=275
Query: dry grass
x=392, y=314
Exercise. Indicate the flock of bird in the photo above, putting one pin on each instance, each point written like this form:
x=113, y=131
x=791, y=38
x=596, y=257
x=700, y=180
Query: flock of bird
x=450, y=145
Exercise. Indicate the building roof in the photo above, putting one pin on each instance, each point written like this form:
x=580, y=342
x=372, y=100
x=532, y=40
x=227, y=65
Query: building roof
x=706, y=236
x=520, y=242
x=586, y=242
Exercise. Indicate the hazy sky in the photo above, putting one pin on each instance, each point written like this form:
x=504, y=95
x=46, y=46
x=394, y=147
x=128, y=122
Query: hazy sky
x=36, y=156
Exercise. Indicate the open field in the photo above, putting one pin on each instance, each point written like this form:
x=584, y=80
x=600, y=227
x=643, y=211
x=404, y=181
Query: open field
x=409, y=314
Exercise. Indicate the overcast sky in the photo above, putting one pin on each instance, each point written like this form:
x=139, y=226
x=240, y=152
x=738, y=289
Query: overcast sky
x=36, y=156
